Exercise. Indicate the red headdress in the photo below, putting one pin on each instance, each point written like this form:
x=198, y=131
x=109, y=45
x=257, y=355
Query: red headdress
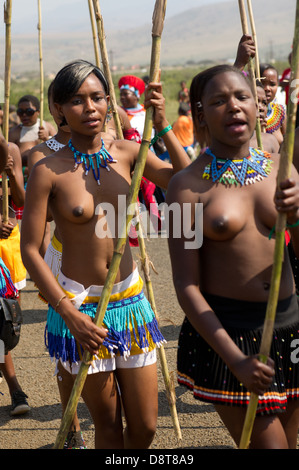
x=130, y=82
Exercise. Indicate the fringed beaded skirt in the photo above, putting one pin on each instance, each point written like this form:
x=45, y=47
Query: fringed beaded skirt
x=129, y=318
x=203, y=371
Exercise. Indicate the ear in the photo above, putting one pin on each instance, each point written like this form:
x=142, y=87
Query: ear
x=201, y=118
x=58, y=108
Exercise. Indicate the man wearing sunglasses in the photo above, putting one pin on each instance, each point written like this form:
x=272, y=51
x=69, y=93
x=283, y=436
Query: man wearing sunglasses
x=29, y=132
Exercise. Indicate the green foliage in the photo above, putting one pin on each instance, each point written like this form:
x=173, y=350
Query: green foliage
x=170, y=78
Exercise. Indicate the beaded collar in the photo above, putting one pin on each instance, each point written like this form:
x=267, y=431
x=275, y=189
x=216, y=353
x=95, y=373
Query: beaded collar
x=249, y=170
x=275, y=117
x=53, y=144
x=102, y=158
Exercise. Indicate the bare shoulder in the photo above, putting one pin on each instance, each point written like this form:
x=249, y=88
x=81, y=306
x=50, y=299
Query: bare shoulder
x=185, y=184
x=14, y=149
x=37, y=153
x=14, y=133
x=52, y=162
x=126, y=149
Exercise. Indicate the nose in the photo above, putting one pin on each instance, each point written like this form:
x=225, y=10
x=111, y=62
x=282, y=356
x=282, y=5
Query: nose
x=233, y=104
x=89, y=105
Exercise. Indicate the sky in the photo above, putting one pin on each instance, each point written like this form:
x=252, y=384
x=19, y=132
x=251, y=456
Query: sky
x=119, y=14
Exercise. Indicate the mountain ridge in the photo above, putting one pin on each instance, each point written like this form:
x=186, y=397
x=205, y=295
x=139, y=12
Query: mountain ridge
x=208, y=32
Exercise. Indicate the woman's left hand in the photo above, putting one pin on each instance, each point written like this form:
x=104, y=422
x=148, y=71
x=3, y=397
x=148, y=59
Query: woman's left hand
x=286, y=199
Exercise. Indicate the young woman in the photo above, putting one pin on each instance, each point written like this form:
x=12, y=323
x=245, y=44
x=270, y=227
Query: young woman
x=276, y=114
x=223, y=286
x=77, y=195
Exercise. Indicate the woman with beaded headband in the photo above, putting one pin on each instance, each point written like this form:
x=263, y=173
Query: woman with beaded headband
x=223, y=285
x=78, y=183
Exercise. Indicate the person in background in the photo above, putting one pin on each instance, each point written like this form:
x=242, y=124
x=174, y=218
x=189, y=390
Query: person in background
x=269, y=142
x=13, y=272
x=276, y=113
x=30, y=131
x=183, y=94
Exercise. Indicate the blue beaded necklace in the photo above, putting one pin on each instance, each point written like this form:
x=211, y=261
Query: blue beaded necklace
x=102, y=157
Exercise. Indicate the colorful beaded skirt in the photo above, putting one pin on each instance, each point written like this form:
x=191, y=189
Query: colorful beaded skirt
x=129, y=318
x=201, y=370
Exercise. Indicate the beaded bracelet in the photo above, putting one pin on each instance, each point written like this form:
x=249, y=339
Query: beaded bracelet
x=59, y=301
x=160, y=134
x=293, y=225
x=287, y=226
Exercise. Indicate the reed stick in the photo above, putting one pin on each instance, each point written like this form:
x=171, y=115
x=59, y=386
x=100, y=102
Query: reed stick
x=254, y=36
x=251, y=71
x=158, y=22
x=7, y=78
x=169, y=386
x=284, y=172
x=41, y=65
x=94, y=34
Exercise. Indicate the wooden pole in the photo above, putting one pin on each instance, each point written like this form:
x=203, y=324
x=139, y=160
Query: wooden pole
x=105, y=61
x=41, y=66
x=284, y=172
x=144, y=257
x=254, y=36
x=158, y=23
x=251, y=71
x=7, y=21
x=94, y=34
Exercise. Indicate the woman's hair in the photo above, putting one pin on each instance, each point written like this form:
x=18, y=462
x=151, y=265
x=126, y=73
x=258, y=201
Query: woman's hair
x=197, y=90
x=264, y=67
x=69, y=79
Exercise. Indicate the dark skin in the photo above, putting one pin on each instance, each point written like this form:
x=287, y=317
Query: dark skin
x=3, y=153
x=234, y=218
x=269, y=142
x=270, y=83
x=73, y=198
x=13, y=170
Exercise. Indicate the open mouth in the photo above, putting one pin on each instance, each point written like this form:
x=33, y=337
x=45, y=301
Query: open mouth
x=91, y=122
x=237, y=125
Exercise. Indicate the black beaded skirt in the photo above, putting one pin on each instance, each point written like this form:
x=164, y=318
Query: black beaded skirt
x=201, y=370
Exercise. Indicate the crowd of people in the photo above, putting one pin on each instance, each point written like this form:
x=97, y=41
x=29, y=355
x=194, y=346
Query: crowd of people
x=210, y=157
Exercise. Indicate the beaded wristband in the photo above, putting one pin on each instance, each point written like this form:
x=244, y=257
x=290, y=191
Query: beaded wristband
x=59, y=301
x=160, y=134
x=287, y=226
x=293, y=225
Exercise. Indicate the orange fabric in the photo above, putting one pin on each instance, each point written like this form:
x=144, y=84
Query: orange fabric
x=183, y=129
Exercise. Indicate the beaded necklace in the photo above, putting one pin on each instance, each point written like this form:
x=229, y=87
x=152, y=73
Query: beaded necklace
x=249, y=170
x=102, y=158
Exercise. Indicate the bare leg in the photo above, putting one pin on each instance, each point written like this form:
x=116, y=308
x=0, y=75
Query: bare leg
x=290, y=423
x=139, y=393
x=8, y=370
x=267, y=433
x=65, y=383
x=102, y=399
